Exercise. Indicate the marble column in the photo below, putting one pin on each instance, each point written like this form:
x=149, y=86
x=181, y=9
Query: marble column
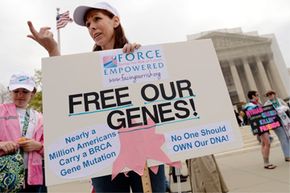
x=262, y=74
x=249, y=75
x=237, y=81
x=276, y=79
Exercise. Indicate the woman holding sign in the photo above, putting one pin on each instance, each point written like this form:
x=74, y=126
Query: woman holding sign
x=103, y=24
x=283, y=131
x=253, y=104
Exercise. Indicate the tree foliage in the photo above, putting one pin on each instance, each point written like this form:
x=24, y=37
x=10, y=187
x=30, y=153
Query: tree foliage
x=36, y=102
x=4, y=95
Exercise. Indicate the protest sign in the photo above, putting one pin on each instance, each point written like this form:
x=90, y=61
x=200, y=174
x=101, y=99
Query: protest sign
x=107, y=112
x=263, y=119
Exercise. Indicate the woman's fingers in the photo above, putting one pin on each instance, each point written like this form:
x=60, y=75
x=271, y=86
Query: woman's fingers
x=137, y=46
x=45, y=38
x=130, y=47
x=10, y=147
x=31, y=28
x=30, y=145
x=43, y=32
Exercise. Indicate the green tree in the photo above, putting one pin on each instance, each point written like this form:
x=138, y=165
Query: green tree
x=36, y=102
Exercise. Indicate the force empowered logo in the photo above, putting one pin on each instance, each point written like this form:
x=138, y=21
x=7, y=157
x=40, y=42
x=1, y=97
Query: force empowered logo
x=143, y=65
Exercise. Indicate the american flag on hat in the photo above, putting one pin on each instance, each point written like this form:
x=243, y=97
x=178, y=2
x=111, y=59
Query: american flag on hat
x=62, y=20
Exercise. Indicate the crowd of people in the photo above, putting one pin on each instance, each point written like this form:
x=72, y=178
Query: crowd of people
x=21, y=127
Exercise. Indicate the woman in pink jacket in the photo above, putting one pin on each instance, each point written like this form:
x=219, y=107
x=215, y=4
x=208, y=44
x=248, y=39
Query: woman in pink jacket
x=16, y=117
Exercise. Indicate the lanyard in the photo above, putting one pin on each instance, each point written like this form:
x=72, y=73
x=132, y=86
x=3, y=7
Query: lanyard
x=25, y=127
x=26, y=122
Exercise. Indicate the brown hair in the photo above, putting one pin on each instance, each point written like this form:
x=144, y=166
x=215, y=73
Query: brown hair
x=251, y=93
x=120, y=38
x=270, y=92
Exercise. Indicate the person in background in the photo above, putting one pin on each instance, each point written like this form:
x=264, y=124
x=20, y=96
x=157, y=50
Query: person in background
x=17, y=118
x=238, y=118
x=254, y=102
x=103, y=24
x=283, y=131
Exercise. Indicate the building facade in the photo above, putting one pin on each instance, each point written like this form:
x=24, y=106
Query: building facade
x=249, y=62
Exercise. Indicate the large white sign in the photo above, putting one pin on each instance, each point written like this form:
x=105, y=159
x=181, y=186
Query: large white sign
x=108, y=112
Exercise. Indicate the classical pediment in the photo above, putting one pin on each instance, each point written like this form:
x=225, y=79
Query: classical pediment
x=223, y=40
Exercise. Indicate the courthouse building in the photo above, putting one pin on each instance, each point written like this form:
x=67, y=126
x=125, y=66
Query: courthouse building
x=249, y=62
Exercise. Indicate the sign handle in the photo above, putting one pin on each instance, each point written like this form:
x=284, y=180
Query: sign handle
x=178, y=173
x=146, y=183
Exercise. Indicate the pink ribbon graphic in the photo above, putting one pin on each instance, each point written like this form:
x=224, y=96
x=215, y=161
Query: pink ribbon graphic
x=139, y=144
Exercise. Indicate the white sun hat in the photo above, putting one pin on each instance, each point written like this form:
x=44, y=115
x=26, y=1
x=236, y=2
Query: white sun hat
x=21, y=80
x=80, y=11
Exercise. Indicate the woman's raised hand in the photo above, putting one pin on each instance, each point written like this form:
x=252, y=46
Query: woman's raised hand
x=45, y=38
